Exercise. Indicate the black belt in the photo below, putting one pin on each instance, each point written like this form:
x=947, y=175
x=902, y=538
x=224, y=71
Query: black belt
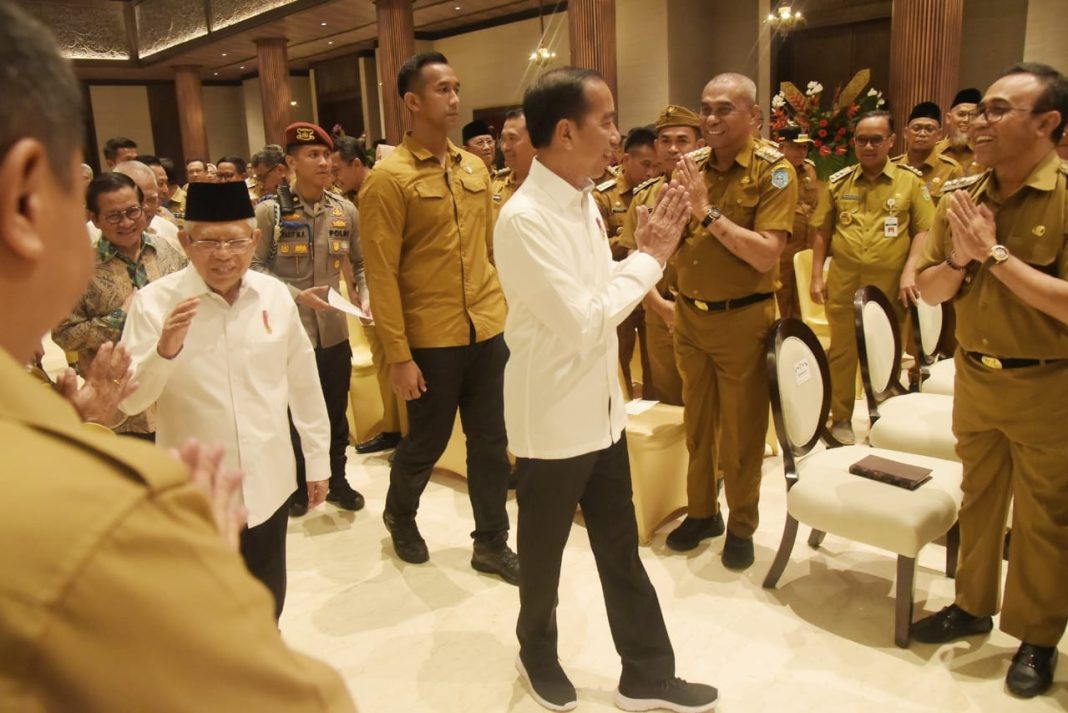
x=993, y=362
x=727, y=305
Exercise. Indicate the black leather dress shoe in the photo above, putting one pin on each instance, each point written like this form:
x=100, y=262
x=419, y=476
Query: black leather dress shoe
x=950, y=624
x=495, y=557
x=407, y=542
x=298, y=508
x=737, y=552
x=382, y=442
x=689, y=534
x=1031, y=672
x=345, y=497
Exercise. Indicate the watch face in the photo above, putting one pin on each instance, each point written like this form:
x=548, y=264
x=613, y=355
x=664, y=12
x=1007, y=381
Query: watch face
x=1000, y=253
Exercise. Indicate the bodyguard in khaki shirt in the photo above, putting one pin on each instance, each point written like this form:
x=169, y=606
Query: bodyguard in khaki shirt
x=876, y=221
x=309, y=249
x=921, y=135
x=426, y=217
x=999, y=250
x=742, y=195
x=117, y=593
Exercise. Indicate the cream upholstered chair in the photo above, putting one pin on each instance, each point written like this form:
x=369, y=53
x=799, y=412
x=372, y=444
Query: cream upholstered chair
x=937, y=369
x=823, y=494
x=903, y=421
x=812, y=314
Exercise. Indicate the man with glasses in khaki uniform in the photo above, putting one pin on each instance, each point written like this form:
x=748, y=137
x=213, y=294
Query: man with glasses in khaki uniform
x=999, y=250
x=921, y=135
x=742, y=197
x=875, y=222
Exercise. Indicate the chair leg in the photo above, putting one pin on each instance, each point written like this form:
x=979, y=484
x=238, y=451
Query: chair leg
x=786, y=546
x=815, y=539
x=906, y=574
x=952, y=549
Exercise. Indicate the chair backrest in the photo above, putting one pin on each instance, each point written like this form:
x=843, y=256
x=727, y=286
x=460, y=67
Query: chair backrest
x=799, y=381
x=803, y=274
x=929, y=323
x=878, y=346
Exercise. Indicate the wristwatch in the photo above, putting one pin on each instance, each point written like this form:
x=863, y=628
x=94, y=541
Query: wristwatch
x=711, y=216
x=999, y=254
x=949, y=261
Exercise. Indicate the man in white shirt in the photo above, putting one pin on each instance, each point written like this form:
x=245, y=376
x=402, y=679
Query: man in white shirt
x=222, y=352
x=564, y=407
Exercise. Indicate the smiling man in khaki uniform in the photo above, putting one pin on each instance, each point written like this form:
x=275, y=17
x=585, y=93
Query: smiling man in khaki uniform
x=118, y=592
x=921, y=135
x=876, y=220
x=999, y=250
x=956, y=144
x=742, y=196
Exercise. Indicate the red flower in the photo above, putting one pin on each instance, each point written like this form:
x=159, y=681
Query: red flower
x=840, y=150
x=823, y=122
x=842, y=131
x=825, y=151
x=822, y=132
x=817, y=143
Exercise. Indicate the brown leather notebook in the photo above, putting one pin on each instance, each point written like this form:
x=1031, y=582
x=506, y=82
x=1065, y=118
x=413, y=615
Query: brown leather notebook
x=891, y=472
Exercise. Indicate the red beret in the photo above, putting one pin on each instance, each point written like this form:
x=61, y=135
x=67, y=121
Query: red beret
x=301, y=133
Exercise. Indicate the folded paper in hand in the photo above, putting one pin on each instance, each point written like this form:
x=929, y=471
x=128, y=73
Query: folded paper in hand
x=341, y=304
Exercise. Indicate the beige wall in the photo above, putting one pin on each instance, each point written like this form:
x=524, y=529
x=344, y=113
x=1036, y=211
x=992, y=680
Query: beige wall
x=300, y=92
x=493, y=64
x=992, y=38
x=224, y=119
x=1047, y=33
x=121, y=111
x=708, y=38
x=641, y=61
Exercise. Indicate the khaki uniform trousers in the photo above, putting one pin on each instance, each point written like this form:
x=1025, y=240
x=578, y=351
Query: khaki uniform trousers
x=842, y=283
x=725, y=392
x=394, y=412
x=1010, y=438
x=667, y=384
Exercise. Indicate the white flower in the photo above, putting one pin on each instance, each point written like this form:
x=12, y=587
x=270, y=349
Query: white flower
x=778, y=101
x=880, y=102
x=872, y=93
x=814, y=88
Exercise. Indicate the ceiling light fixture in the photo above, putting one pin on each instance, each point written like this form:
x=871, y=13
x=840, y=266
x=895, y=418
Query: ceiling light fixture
x=322, y=24
x=223, y=54
x=784, y=19
x=293, y=102
x=330, y=42
x=542, y=55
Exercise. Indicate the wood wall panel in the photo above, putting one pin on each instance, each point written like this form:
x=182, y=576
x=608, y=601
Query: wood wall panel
x=189, y=94
x=396, y=43
x=592, y=32
x=166, y=126
x=274, y=88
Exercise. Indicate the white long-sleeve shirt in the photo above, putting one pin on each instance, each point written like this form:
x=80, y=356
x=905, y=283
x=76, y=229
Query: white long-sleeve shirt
x=566, y=296
x=240, y=368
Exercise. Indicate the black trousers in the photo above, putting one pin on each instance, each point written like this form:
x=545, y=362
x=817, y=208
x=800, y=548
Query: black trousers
x=335, y=371
x=548, y=493
x=263, y=548
x=470, y=378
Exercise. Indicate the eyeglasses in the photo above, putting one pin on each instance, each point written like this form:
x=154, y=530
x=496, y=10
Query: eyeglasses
x=997, y=112
x=206, y=247
x=133, y=213
x=870, y=140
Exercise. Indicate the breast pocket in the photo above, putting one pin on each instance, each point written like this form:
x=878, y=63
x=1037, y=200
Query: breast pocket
x=474, y=195
x=741, y=205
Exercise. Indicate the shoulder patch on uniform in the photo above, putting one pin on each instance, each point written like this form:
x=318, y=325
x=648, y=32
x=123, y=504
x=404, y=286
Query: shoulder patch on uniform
x=768, y=153
x=645, y=184
x=602, y=187
x=839, y=175
x=914, y=171
x=963, y=182
x=780, y=178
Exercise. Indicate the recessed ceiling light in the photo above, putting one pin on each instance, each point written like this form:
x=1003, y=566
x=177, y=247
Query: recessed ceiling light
x=293, y=102
x=322, y=24
x=216, y=74
x=223, y=54
x=242, y=66
x=457, y=7
x=330, y=42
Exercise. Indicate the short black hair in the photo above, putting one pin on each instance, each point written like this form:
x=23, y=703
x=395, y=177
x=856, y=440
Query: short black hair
x=640, y=136
x=514, y=114
x=44, y=99
x=1054, y=96
x=350, y=149
x=112, y=146
x=410, y=71
x=556, y=95
x=148, y=159
x=270, y=156
x=109, y=183
x=239, y=163
x=197, y=160
x=170, y=169
x=877, y=114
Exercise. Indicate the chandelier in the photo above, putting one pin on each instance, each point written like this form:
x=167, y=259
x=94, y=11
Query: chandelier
x=784, y=19
x=542, y=55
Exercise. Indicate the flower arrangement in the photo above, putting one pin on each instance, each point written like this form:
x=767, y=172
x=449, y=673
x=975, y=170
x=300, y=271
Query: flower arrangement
x=831, y=129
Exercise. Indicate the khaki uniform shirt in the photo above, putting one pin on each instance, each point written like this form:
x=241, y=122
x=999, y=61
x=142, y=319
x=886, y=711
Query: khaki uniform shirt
x=810, y=192
x=1033, y=225
x=427, y=231
x=937, y=169
x=503, y=185
x=118, y=594
x=860, y=214
x=99, y=317
x=964, y=156
x=305, y=250
x=612, y=198
x=645, y=194
x=758, y=192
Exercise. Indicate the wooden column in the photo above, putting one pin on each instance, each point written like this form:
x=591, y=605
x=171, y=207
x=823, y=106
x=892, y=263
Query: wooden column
x=274, y=88
x=396, y=43
x=592, y=31
x=925, y=37
x=187, y=89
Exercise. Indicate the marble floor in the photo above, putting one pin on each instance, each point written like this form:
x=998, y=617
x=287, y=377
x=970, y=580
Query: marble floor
x=439, y=637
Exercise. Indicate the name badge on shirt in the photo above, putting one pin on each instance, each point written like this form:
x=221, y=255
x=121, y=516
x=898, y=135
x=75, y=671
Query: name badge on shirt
x=890, y=227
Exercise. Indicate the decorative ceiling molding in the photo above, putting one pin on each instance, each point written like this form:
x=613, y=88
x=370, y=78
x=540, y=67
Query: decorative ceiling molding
x=163, y=24
x=85, y=31
x=225, y=13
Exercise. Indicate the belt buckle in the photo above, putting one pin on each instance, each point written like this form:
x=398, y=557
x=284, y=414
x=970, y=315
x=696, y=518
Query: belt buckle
x=701, y=305
x=990, y=362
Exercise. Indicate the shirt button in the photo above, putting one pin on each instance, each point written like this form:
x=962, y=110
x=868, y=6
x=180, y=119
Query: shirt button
x=694, y=262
